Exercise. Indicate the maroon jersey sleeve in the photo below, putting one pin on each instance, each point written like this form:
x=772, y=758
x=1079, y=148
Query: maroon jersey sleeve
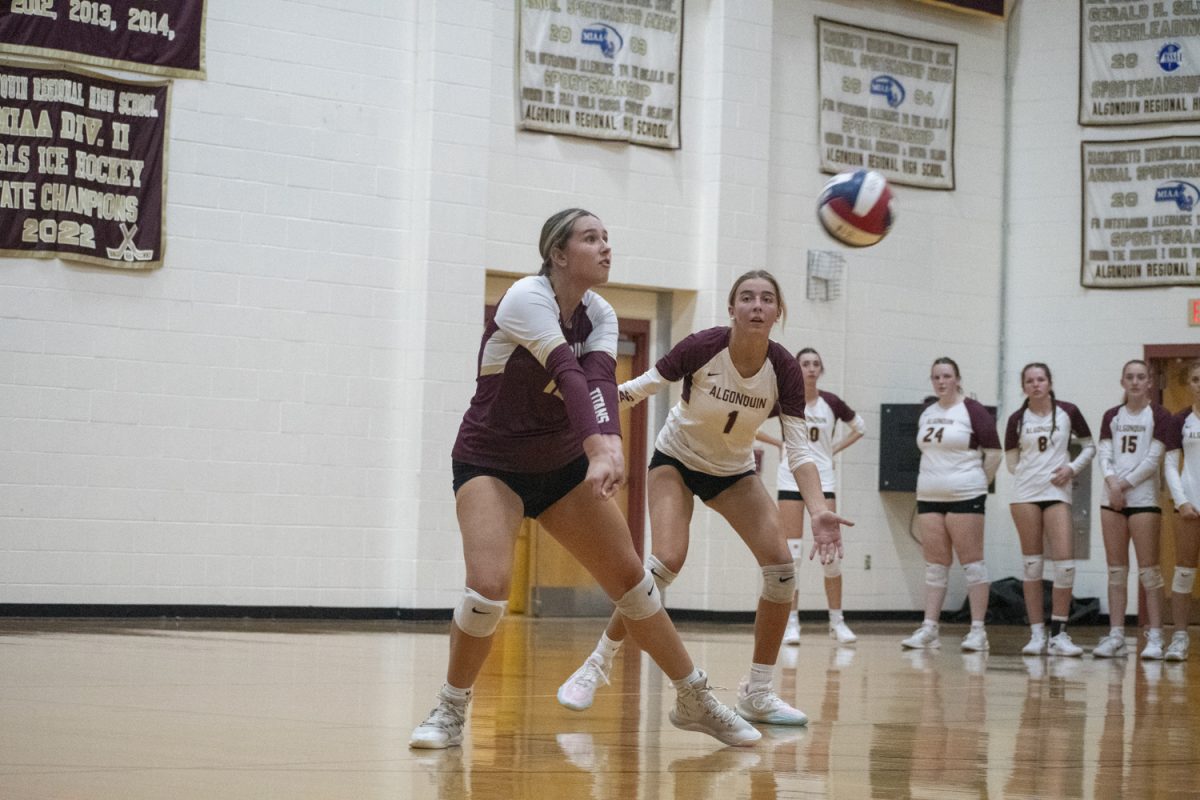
x=600, y=370
x=789, y=378
x=840, y=410
x=1012, y=431
x=983, y=427
x=1162, y=423
x=1079, y=425
x=692, y=353
x=1106, y=422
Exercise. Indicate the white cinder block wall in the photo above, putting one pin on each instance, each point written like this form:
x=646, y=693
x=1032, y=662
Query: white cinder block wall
x=1083, y=335
x=267, y=420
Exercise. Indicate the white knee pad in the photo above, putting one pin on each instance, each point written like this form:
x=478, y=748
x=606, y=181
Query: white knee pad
x=1064, y=573
x=663, y=577
x=1151, y=577
x=796, y=546
x=1118, y=576
x=779, y=582
x=976, y=573
x=1034, y=566
x=833, y=568
x=643, y=600
x=937, y=575
x=476, y=615
x=1185, y=579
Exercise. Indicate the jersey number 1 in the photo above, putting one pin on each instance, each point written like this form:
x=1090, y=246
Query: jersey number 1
x=729, y=424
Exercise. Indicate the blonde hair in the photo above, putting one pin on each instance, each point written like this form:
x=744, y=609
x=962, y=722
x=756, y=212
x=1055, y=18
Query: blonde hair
x=555, y=233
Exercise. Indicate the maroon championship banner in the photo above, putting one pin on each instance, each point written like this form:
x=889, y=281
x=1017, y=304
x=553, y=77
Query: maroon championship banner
x=162, y=37
x=82, y=167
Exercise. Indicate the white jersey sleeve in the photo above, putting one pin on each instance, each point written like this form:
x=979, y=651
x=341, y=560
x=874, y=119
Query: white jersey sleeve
x=1182, y=467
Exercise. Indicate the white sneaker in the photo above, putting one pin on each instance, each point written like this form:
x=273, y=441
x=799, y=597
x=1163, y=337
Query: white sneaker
x=697, y=710
x=924, y=638
x=1153, y=651
x=975, y=641
x=791, y=634
x=578, y=691
x=1111, y=646
x=763, y=705
x=1061, y=645
x=1177, y=650
x=1036, y=646
x=841, y=633
x=443, y=727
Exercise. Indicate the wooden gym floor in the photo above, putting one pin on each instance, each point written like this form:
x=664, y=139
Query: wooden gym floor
x=251, y=709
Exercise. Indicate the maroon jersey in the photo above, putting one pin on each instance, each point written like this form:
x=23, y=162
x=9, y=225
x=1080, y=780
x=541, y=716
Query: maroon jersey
x=543, y=386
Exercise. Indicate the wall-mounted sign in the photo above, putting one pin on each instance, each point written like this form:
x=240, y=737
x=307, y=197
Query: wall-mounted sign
x=82, y=172
x=604, y=70
x=1139, y=62
x=1141, y=199
x=162, y=37
x=887, y=104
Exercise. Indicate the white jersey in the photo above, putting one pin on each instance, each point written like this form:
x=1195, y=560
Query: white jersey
x=822, y=416
x=959, y=451
x=1183, y=445
x=1037, y=445
x=712, y=428
x=1131, y=448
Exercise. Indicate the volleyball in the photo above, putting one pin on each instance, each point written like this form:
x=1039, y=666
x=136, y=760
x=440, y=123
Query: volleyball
x=856, y=208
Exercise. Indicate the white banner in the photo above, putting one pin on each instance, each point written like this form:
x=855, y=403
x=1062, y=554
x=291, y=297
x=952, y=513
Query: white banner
x=1140, y=202
x=1139, y=62
x=605, y=70
x=887, y=104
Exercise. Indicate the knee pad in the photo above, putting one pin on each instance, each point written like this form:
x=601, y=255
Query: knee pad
x=1064, y=574
x=643, y=600
x=1185, y=579
x=1118, y=576
x=663, y=577
x=976, y=573
x=779, y=582
x=937, y=575
x=1151, y=577
x=833, y=568
x=476, y=615
x=796, y=546
x=1033, y=567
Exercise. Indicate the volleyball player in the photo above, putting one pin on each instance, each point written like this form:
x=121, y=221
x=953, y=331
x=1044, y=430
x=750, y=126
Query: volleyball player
x=960, y=453
x=822, y=412
x=541, y=439
x=1132, y=441
x=1182, y=471
x=732, y=379
x=1036, y=443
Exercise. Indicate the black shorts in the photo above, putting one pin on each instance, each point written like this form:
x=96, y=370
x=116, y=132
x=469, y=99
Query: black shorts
x=1042, y=504
x=701, y=484
x=973, y=506
x=537, y=490
x=786, y=495
x=1129, y=511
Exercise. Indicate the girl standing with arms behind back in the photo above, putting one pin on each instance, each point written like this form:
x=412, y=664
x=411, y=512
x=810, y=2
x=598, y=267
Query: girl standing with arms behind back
x=960, y=452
